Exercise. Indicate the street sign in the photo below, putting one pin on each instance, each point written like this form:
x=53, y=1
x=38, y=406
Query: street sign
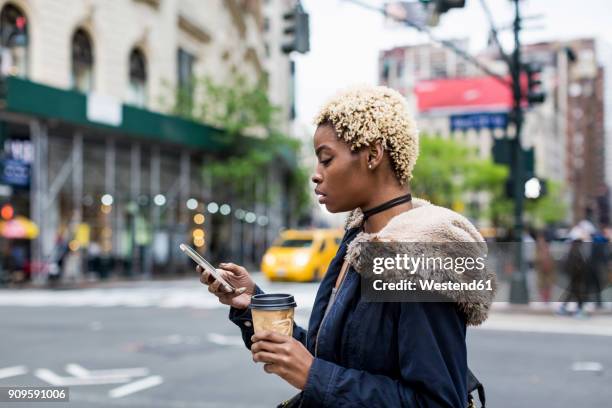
x=5, y=191
x=14, y=173
x=478, y=121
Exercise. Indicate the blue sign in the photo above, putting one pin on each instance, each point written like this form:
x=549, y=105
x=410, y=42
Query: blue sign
x=478, y=121
x=15, y=173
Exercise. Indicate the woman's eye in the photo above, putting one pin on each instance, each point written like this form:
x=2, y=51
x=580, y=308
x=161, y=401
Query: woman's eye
x=325, y=162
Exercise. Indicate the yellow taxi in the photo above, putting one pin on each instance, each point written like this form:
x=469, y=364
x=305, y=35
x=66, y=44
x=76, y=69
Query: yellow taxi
x=301, y=255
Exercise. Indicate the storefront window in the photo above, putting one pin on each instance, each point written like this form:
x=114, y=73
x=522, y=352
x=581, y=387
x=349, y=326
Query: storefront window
x=13, y=42
x=82, y=61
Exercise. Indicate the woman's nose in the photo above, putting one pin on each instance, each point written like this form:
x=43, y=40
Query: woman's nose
x=316, y=178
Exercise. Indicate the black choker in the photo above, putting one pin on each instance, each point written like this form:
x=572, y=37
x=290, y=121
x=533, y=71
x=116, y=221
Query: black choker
x=385, y=206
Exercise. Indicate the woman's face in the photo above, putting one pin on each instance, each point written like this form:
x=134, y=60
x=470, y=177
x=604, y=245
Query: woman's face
x=340, y=175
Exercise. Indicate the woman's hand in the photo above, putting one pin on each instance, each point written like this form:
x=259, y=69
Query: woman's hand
x=283, y=356
x=235, y=275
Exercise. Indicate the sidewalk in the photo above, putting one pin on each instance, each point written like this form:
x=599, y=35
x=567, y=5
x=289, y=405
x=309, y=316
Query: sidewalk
x=545, y=309
x=306, y=292
x=524, y=320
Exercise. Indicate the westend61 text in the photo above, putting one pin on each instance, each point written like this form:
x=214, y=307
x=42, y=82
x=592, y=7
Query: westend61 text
x=431, y=285
x=412, y=264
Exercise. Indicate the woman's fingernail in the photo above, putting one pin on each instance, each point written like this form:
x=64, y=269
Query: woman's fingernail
x=240, y=290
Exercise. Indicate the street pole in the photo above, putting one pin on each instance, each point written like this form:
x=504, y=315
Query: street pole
x=518, y=288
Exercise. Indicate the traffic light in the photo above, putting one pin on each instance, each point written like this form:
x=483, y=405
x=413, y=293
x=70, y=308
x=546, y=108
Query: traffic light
x=502, y=152
x=535, y=93
x=442, y=6
x=437, y=7
x=535, y=188
x=297, y=29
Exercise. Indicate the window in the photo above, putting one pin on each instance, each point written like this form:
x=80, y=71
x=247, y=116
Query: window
x=13, y=42
x=82, y=61
x=400, y=69
x=138, y=78
x=295, y=243
x=185, y=77
x=386, y=66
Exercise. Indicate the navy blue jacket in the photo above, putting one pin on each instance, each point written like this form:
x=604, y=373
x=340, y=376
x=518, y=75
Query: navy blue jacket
x=378, y=354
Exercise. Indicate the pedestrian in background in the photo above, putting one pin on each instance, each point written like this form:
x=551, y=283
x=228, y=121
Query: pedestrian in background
x=576, y=269
x=545, y=267
x=598, y=264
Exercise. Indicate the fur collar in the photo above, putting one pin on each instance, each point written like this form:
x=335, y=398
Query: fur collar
x=427, y=223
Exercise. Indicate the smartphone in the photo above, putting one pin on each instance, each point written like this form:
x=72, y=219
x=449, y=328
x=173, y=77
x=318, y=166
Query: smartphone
x=197, y=258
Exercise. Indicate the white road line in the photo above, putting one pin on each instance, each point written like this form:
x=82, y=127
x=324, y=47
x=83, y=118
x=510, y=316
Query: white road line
x=81, y=372
x=54, y=379
x=224, y=340
x=136, y=386
x=9, y=372
x=593, y=366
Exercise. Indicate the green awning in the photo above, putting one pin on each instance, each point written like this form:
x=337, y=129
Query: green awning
x=34, y=99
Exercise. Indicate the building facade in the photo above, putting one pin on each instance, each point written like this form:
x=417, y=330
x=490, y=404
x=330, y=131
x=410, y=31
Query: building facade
x=567, y=131
x=109, y=180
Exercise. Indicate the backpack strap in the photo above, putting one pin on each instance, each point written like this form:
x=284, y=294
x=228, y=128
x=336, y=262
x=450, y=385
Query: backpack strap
x=475, y=385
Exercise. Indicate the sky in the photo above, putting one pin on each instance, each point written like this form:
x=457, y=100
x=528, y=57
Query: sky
x=346, y=39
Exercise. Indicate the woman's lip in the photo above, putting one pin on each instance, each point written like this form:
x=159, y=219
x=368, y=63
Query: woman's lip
x=322, y=198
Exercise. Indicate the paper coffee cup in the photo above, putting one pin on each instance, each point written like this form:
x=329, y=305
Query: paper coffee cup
x=273, y=312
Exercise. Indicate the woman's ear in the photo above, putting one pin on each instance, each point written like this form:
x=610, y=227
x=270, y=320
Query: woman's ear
x=375, y=155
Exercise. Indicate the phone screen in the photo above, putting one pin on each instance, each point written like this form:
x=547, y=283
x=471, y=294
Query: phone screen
x=197, y=258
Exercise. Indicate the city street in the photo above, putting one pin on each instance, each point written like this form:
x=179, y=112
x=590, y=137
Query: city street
x=462, y=147
x=169, y=345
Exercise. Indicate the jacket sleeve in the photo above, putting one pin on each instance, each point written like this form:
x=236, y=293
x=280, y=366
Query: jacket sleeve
x=433, y=366
x=244, y=320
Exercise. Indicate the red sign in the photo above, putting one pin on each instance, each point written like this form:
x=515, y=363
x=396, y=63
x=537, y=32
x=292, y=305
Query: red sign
x=463, y=94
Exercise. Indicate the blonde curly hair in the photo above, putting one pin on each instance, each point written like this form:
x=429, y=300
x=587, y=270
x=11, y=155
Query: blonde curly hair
x=365, y=115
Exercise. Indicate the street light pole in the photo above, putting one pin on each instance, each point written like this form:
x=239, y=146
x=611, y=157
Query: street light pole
x=518, y=288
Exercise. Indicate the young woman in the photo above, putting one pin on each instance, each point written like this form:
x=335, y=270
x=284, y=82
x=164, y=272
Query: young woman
x=359, y=353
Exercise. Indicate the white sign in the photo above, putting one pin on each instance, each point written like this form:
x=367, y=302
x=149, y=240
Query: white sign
x=5, y=191
x=104, y=109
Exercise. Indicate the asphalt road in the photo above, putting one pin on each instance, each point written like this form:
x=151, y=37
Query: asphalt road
x=195, y=356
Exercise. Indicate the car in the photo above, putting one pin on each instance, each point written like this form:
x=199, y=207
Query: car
x=301, y=255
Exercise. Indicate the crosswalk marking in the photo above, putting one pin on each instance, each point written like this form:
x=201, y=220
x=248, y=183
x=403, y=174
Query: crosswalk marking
x=136, y=386
x=14, y=371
